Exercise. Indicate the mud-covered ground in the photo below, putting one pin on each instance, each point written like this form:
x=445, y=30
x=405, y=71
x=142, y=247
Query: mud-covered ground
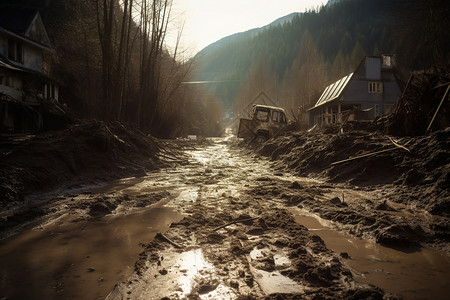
x=211, y=220
x=410, y=187
x=88, y=151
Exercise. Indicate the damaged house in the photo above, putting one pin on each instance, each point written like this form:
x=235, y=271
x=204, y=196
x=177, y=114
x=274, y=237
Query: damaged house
x=25, y=92
x=370, y=91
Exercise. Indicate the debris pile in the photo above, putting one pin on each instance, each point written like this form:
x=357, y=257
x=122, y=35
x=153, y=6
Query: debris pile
x=87, y=152
x=423, y=107
x=422, y=164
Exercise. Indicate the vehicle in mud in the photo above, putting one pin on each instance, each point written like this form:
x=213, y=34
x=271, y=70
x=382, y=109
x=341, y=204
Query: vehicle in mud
x=266, y=121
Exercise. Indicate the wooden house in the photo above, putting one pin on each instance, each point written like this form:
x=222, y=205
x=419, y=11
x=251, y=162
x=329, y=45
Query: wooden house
x=370, y=91
x=23, y=85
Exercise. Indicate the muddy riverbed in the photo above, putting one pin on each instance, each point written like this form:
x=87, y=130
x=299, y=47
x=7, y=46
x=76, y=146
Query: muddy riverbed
x=222, y=224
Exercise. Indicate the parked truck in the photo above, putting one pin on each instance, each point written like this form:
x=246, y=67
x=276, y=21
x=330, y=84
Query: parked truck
x=265, y=122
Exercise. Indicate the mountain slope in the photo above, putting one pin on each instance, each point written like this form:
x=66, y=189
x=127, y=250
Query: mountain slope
x=342, y=32
x=341, y=27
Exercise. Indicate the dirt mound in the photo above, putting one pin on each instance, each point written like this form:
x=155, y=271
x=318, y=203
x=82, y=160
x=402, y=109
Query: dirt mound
x=424, y=171
x=87, y=152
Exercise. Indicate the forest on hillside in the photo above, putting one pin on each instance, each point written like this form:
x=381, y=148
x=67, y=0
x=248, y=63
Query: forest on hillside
x=111, y=63
x=293, y=62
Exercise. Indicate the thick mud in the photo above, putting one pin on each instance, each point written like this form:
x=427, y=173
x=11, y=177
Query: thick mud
x=77, y=260
x=223, y=224
x=396, y=271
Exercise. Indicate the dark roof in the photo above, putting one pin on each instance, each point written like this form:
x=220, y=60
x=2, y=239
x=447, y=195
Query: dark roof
x=16, y=19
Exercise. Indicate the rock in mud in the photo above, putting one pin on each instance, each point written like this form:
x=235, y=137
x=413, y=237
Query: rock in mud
x=255, y=231
x=207, y=288
x=397, y=236
x=295, y=185
x=215, y=238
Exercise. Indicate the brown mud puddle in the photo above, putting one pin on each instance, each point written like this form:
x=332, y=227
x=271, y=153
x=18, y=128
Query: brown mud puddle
x=410, y=273
x=78, y=260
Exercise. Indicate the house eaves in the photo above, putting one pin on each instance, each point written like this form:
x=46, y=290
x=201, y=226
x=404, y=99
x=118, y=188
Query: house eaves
x=333, y=91
x=24, y=39
x=7, y=65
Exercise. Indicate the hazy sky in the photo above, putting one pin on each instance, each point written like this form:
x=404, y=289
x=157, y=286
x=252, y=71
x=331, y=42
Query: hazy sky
x=206, y=21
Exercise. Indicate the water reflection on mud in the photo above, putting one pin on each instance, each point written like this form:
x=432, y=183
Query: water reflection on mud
x=178, y=275
x=273, y=282
x=419, y=274
x=80, y=260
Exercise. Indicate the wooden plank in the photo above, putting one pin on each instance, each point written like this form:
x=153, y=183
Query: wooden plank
x=397, y=146
x=363, y=156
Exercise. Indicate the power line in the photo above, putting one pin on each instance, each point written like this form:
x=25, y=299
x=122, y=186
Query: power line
x=208, y=81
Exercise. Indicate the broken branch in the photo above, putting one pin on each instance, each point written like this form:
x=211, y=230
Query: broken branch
x=398, y=145
x=234, y=222
x=437, y=110
x=166, y=239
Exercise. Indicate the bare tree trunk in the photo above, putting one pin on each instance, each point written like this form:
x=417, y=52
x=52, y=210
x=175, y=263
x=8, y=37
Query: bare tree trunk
x=154, y=19
x=105, y=36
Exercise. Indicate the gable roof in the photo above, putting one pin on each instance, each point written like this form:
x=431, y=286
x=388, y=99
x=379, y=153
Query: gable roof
x=262, y=98
x=25, y=24
x=333, y=91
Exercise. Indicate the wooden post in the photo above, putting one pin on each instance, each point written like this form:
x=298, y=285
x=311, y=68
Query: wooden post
x=339, y=113
x=437, y=110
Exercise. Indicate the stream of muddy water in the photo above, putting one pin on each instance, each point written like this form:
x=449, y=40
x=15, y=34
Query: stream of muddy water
x=80, y=260
x=415, y=274
x=68, y=257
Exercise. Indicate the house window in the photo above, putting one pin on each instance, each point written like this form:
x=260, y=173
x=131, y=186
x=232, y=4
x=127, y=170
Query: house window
x=15, y=50
x=375, y=87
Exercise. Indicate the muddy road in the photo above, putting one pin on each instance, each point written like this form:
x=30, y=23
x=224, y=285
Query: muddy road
x=220, y=224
